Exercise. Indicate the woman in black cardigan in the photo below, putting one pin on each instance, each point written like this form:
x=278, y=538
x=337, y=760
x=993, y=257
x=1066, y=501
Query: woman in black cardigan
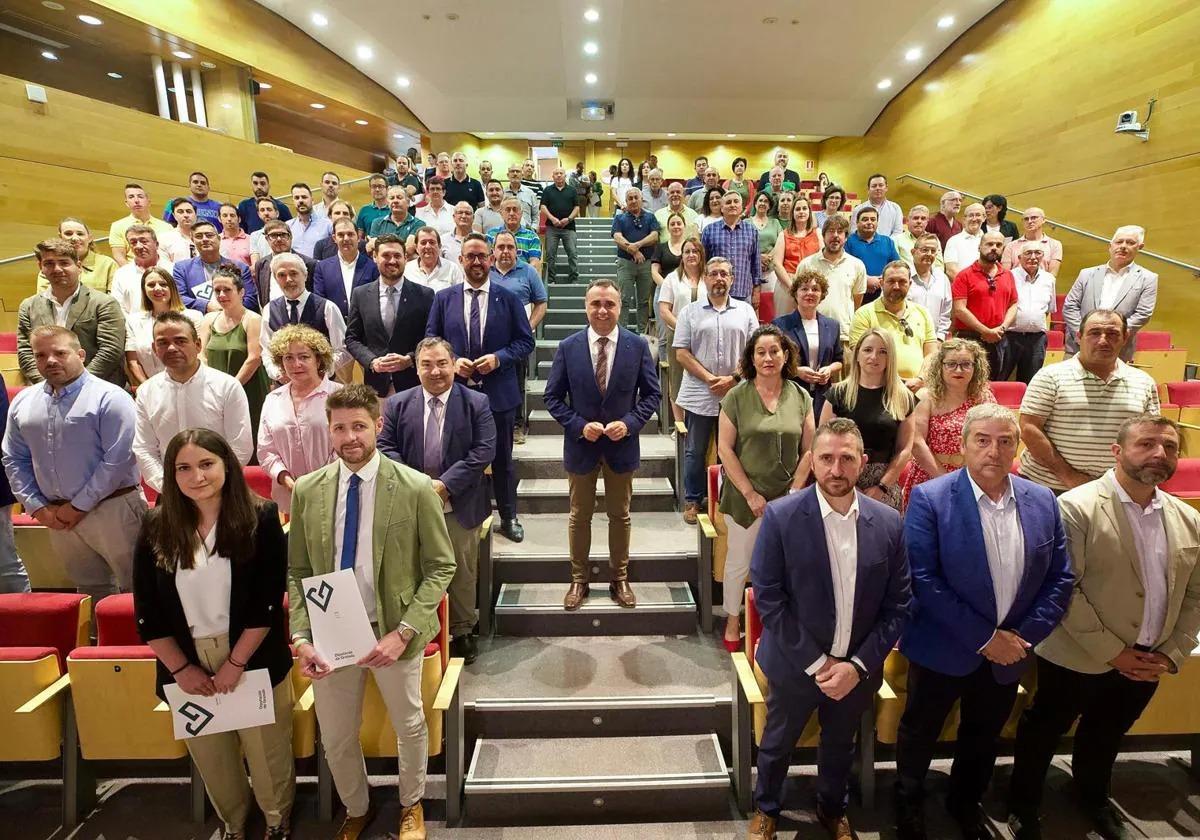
x=209, y=574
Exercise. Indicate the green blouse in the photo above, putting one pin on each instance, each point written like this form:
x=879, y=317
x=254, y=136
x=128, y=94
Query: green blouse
x=768, y=235
x=768, y=444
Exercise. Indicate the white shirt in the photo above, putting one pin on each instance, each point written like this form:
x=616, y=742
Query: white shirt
x=259, y=247
x=334, y=322
x=347, y=273
x=610, y=349
x=209, y=400
x=364, y=566
x=485, y=289
x=452, y=247
x=1150, y=540
x=139, y=336
x=841, y=542
x=812, y=335
x=936, y=297
x=1035, y=300
x=1004, y=544
x=1110, y=285
x=204, y=590
x=440, y=220
x=444, y=398
x=127, y=285
x=444, y=275
x=962, y=249
x=175, y=248
x=383, y=296
x=61, y=310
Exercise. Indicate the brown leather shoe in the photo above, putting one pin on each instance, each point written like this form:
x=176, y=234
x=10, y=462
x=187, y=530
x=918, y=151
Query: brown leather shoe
x=691, y=510
x=412, y=822
x=575, y=596
x=838, y=827
x=353, y=827
x=762, y=827
x=621, y=593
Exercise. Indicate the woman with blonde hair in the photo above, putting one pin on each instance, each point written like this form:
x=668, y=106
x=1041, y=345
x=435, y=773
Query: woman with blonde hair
x=958, y=375
x=874, y=397
x=798, y=239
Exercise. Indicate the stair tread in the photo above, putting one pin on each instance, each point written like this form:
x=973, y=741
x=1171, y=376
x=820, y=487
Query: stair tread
x=559, y=487
x=607, y=759
x=656, y=533
x=650, y=596
x=550, y=447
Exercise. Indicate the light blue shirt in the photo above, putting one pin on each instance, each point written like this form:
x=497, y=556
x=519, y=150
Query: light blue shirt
x=716, y=337
x=523, y=281
x=74, y=445
x=305, y=239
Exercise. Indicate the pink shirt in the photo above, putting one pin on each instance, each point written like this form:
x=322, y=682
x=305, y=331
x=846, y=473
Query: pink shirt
x=291, y=442
x=236, y=247
x=1051, y=250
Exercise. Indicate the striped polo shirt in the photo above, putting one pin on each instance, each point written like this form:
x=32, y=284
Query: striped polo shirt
x=1083, y=413
x=529, y=246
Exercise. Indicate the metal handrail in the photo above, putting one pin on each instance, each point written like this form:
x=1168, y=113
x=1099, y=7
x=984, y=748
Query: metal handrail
x=1195, y=269
x=31, y=255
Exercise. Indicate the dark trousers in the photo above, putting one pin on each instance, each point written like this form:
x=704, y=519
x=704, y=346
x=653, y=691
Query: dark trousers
x=985, y=706
x=504, y=477
x=522, y=376
x=789, y=706
x=997, y=352
x=1026, y=354
x=1107, y=705
x=700, y=430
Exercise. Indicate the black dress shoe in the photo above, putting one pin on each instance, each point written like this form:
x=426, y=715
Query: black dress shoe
x=1023, y=828
x=465, y=648
x=1109, y=823
x=971, y=820
x=910, y=817
x=512, y=529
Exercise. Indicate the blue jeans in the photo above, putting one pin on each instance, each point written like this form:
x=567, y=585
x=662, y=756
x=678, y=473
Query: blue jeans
x=567, y=237
x=12, y=570
x=700, y=429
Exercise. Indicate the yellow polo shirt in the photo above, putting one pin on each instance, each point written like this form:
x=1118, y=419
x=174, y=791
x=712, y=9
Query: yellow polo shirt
x=116, y=232
x=910, y=350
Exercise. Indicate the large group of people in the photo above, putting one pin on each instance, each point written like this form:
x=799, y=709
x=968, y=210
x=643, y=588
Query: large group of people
x=866, y=467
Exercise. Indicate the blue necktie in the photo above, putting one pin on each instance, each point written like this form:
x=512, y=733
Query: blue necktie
x=475, y=336
x=350, y=533
x=433, y=439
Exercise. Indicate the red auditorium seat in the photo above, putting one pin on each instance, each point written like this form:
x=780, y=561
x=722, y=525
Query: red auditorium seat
x=259, y=480
x=1151, y=340
x=43, y=619
x=13, y=390
x=1055, y=340
x=116, y=625
x=714, y=490
x=1008, y=394
x=8, y=342
x=766, y=308
x=1184, y=393
x=1186, y=482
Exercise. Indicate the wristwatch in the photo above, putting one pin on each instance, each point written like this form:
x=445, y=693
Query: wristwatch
x=886, y=488
x=862, y=672
x=406, y=632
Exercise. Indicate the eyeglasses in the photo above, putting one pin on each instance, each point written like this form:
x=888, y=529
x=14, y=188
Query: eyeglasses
x=475, y=257
x=279, y=234
x=964, y=366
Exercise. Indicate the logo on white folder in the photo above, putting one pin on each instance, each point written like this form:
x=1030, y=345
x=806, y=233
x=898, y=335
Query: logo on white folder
x=320, y=596
x=198, y=717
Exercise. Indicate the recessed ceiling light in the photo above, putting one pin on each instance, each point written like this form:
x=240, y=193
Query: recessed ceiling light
x=264, y=85
x=181, y=55
x=591, y=16
x=226, y=106
x=398, y=136
x=731, y=135
x=91, y=20
x=491, y=133
x=49, y=56
x=591, y=48
x=360, y=122
x=320, y=19
x=670, y=133
x=791, y=136
x=945, y=22
x=591, y=78
x=612, y=134
x=364, y=52
x=933, y=87
x=884, y=84
x=50, y=4
x=115, y=76
x=208, y=65
x=403, y=81
x=318, y=106
x=970, y=58
x=913, y=54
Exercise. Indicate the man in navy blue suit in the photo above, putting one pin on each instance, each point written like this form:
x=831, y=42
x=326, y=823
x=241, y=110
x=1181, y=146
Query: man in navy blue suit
x=603, y=388
x=336, y=277
x=831, y=584
x=489, y=331
x=446, y=431
x=991, y=578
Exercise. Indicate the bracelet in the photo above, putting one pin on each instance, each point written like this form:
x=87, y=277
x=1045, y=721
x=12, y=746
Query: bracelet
x=235, y=663
x=182, y=667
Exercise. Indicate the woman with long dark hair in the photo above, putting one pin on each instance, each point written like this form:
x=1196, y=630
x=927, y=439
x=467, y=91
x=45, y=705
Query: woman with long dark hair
x=623, y=181
x=209, y=575
x=996, y=207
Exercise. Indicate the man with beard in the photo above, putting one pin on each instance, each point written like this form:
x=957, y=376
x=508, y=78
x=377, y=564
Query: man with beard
x=307, y=228
x=1133, y=619
x=912, y=327
x=260, y=187
x=831, y=583
x=207, y=209
x=985, y=301
x=846, y=275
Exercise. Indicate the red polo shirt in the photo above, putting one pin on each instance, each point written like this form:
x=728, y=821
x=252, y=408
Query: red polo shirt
x=943, y=230
x=988, y=304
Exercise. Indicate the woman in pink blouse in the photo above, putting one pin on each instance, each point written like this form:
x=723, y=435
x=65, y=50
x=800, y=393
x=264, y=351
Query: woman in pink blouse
x=293, y=433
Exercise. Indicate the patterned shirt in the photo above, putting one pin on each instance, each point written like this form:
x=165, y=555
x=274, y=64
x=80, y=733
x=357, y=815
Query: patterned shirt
x=739, y=245
x=529, y=247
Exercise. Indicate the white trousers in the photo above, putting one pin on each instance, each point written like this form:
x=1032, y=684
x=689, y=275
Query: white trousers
x=737, y=563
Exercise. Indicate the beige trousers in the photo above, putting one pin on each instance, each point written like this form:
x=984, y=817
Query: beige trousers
x=618, y=492
x=463, y=588
x=268, y=752
x=98, y=552
x=339, y=699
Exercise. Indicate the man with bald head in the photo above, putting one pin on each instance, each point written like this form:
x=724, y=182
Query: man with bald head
x=780, y=161
x=712, y=178
x=560, y=209
x=944, y=222
x=677, y=204
x=1120, y=284
x=985, y=301
x=963, y=247
x=460, y=186
x=1052, y=252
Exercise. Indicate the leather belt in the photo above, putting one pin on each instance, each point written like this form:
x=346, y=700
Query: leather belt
x=113, y=495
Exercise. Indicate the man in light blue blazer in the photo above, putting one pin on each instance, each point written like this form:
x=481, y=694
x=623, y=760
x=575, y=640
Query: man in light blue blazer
x=1120, y=284
x=194, y=277
x=991, y=578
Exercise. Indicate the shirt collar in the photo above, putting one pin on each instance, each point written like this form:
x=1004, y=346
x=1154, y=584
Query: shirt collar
x=383, y=287
x=594, y=336
x=827, y=509
x=444, y=397
x=71, y=389
x=980, y=495
x=48, y=294
x=1083, y=373
x=1156, y=502
x=303, y=299
x=366, y=472
x=1025, y=276
x=486, y=288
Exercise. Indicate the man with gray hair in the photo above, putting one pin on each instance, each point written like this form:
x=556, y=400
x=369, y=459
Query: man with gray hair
x=917, y=226
x=297, y=305
x=1120, y=284
x=962, y=248
x=945, y=223
x=636, y=233
x=279, y=239
x=560, y=208
x=1026, y=338
x=654, y=197
x=787, y=176
x=1034, y=220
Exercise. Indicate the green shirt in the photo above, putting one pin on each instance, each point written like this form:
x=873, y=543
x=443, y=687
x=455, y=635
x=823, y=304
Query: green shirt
x=367, y=214
x=769, y=445
x=385, y=224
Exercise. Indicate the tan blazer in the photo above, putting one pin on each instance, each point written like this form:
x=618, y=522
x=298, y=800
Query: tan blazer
x=1105, y=613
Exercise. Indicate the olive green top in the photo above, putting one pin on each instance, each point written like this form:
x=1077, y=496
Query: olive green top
x=768, y=444
x=768, y=235
x=227, y=353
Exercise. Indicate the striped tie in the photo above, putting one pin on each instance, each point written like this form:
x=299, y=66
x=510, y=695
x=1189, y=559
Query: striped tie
x=602, y=365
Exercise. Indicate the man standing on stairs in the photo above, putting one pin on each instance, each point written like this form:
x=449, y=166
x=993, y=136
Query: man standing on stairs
x=446, y=431
x=489, y=331
x=831, y=582
x=522, y=280
x=560, y=209
x=602, y=389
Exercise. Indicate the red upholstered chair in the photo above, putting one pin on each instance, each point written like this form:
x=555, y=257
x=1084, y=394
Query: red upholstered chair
x=116, y=624
x=45, y=619
x=1055, y=346
x=1153, y=340
x=766, y=308
x=8, y=342
x=715, y=476
x=1185, y=484
x=1158, y=357
x=1008, y=394
x=259, y=480
x=1183, y=394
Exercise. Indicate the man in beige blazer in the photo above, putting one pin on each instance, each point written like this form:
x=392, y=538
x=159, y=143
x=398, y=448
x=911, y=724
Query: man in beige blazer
x=94, y=317
x=1133, y=618
x=383, y=520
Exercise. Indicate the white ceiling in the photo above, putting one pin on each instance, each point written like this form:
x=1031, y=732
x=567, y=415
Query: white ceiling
x=765, y=69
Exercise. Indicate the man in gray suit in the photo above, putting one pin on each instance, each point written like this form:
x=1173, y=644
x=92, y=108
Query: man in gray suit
x=1120, y=285
x=94, y=317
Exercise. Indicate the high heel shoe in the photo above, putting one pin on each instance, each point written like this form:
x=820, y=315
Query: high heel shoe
x=731, y=645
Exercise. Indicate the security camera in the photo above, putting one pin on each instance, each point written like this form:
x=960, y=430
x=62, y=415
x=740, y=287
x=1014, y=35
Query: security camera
x=1128, y=122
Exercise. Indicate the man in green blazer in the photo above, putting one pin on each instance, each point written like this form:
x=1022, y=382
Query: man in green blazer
x=1132, y=619
x=94, y=317
x=383, y=520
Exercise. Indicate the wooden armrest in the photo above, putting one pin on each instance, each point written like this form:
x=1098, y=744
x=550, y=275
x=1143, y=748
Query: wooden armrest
x=886, y=692
x=306, y=701
x=449, y=685
x=162, y=707
x=1136, y=365
x=680, y=428
x=485, y=527
x=46, y=695
x=746, y=680
x=706, y=527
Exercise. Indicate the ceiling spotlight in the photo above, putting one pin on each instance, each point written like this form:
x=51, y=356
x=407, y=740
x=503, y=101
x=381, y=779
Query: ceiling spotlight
x=208, y=65
x=591, y=78
x=364, y=52
x=320, y=19
x=884, y=84
x=264, y=85
x=612, y=134
x=731, y=135
x=591, y=16
x=591, y=48
x=933, y=87
x=398, y=136
x=115, y=76
x=360, y=122
x=913, y=54
x=55, y=7
x=318, y=106
x=791, y=136
x=403, y=81
x=49, y=56
x=181, y=55
x=91, y=20
x=945, y=22
x=670, y=133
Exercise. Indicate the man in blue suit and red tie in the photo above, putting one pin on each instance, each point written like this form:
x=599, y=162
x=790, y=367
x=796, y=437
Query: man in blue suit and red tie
x=831, y=584
x=602, y=389
x=991, y=578
x=489, y=331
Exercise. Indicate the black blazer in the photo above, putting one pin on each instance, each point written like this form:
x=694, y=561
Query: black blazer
x=262, y=277
x=367, y=340
x=256, y=600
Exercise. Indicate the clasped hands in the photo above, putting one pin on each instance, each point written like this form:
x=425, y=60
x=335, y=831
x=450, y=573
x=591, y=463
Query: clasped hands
x=466, y=368
x=391, y=363
x=60, y=517
x=1141, y=665
x=819, y=376
x=1005, y=648
x=614, y=431
x=836, y=678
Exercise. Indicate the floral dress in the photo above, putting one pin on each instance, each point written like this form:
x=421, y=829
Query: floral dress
x=944, y=437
